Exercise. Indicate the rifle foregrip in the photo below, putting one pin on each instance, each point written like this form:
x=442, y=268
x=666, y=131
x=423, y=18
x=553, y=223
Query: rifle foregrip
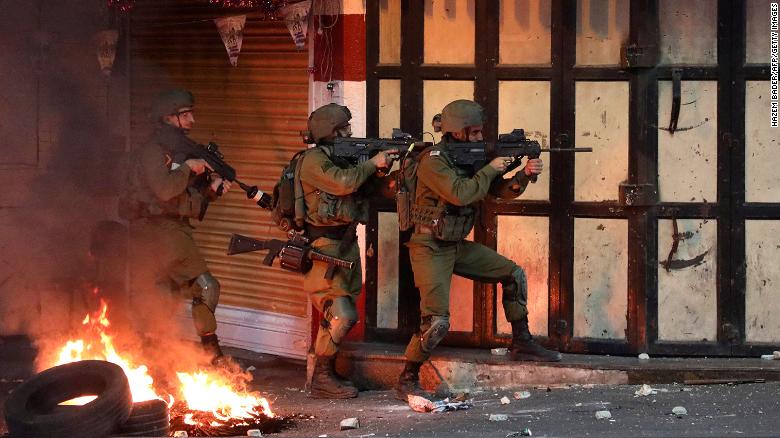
x=268, y=260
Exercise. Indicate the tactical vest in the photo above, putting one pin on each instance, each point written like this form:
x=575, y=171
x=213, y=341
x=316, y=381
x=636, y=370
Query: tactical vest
x=326, y=209
x=139, y=199
x=448, y=222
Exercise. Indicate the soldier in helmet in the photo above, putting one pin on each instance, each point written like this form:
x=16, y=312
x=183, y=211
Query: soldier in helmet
x=335, y=198
x=165, y=191
x=443, y=212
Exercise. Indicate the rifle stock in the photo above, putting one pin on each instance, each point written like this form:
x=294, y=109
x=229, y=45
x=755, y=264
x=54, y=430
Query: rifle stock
x=295, y=255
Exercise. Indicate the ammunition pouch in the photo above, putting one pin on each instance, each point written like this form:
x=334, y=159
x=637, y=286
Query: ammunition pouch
x=293, y=258
x=403, y=205
x=450, y=223
x=339, y=209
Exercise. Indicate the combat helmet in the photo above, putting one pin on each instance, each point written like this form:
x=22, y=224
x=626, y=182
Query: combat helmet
x=169, y=102
x=460, y=114
x=325, y=119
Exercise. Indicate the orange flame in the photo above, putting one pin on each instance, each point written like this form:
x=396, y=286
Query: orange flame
x=201, y=390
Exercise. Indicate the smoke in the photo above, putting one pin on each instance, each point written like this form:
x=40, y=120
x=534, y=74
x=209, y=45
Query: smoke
x=65, y=125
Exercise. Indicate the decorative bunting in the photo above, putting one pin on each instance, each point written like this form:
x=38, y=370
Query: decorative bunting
x=122, y=5
x=231, y=29
x=296, y=16
x=106, y=49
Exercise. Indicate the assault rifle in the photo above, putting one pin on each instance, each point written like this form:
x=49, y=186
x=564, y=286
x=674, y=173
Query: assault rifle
x=358, y=150
x=294, y=255
x=212, y=155
x=513, y=145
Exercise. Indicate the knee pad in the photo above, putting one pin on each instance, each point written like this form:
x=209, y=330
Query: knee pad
x=515, y=287
x=433, y=329
x=339, y=318
x=206, y=291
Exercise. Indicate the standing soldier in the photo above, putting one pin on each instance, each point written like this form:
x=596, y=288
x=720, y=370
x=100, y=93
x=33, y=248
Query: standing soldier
x=165, y=190
x=335, y=201
x=443, y=212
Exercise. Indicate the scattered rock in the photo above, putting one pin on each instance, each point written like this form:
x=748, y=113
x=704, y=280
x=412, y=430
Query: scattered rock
x=603, y=415
x=679, y=411
x=505, y=400
x=180, y=433
x=461, y=397
x=420, y=404
x=250, y=369
x=350, y=423
x=524, y=432
x=644, y=356
x=499, y=351
x=498, y=417
x=254, y=432
x=645, y=390
x=521, y=395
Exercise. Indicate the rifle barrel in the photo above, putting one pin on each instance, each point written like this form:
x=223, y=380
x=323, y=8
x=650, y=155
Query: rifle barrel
x=566, y=150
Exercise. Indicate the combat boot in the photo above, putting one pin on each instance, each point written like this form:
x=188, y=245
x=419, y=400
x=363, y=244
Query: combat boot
x=409, y=382
x=210, y=344
x=325, y=383
x=524, y=347
x=342, y=380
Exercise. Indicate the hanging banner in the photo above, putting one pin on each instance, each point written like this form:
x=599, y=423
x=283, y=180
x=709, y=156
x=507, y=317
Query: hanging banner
x=106, y=49
x=297, y=17
x=231, y=29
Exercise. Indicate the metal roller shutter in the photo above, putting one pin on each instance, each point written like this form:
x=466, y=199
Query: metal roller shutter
x=253, y=111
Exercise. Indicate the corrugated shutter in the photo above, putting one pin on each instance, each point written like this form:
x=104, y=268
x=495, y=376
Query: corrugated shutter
x=253, y=111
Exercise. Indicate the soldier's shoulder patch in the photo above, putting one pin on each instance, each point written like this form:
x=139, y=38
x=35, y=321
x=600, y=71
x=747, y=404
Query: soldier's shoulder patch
x=435, y=153
x=326, y=165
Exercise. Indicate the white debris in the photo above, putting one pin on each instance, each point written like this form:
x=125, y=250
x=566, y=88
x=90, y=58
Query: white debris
x=254, y=432
x=250, y=369
x=521, y=395
x=323, y=436
x=645, y=390
x=679, y=411
x=350, y=423
x=776, y=354
x=603, y=415
x=768, y=356
x=498, y=417
x=644, y=356
x=499, y=351
x=180, y=433
x=505, y=400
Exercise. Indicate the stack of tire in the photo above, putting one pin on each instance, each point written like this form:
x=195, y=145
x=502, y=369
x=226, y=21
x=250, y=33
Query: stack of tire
x=33, y=409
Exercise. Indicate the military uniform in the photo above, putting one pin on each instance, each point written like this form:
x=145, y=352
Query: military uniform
x=443, y=212
x=335, y=201
x=332, y=204
x=162, y=195
x=442, y=186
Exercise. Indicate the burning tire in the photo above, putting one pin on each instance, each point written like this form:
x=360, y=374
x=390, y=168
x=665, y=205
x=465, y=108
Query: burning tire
x=148, y=418
x=32, y=408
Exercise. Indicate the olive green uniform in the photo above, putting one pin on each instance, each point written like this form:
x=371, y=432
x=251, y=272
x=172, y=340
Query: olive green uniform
x=332, y=204
x=443, y=186
x=162, y=196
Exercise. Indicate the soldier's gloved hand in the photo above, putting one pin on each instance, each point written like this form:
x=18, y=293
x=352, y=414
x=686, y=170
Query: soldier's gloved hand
x=500, y=163
x=198, y=165
x=534, y=167
x=384, y=159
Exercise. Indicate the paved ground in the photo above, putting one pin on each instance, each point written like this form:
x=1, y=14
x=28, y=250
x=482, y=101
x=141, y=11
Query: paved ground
x=715, y=410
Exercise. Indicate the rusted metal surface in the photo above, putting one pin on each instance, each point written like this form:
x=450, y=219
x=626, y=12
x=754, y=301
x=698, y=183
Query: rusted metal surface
x=600, y=278
x=687, y=273
x=762, y=307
